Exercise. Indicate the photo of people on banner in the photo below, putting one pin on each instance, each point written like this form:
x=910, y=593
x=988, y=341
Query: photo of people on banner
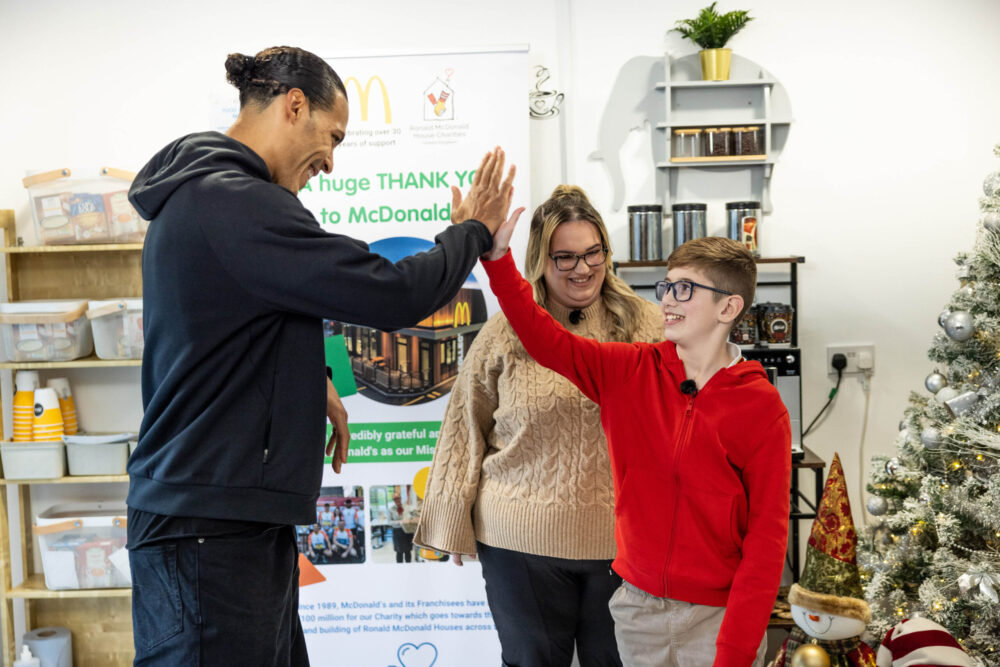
x=395, y=513
x=338, y=535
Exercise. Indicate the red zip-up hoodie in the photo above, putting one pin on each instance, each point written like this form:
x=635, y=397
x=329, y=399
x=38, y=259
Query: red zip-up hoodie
x=701, y=482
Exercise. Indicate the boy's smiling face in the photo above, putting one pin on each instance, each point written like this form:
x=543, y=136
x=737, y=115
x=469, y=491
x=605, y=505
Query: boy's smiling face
x=688, y=322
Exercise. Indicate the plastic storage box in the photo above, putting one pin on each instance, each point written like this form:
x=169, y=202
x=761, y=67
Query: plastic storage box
x=45, y=330
x=97, y=458
x=33, y=460
x=82, y=545
x=117, y=328
x=89, y=207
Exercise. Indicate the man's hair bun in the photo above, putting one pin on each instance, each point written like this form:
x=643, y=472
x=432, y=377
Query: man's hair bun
x=239, y=69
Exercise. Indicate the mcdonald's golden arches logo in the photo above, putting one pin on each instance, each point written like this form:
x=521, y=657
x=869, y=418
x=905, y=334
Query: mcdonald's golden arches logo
x=363, y=94
x=463, y=314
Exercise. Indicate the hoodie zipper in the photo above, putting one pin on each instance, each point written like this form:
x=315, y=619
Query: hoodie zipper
x=681, y=446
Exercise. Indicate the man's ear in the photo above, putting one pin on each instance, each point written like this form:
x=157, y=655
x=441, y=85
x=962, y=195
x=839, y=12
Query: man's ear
x=732, y=308
x=296, y=105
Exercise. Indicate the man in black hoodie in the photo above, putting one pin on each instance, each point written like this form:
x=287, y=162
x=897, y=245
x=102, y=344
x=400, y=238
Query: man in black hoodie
x=237, y=278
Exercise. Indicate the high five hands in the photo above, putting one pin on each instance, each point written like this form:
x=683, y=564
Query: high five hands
x=489, y=201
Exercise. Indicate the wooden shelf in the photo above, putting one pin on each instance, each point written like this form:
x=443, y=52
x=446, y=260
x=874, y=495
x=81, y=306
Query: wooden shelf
x=34, y=588
x=654, y=263
x=97, y=247
x=719, y=158
x=68, y=479
x=729, y=83
x=93, y=361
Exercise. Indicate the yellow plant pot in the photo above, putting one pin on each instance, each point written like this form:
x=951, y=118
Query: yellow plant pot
x=715, y=64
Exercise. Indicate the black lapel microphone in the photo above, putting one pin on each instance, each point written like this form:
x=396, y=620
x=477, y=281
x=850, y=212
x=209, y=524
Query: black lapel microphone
x=689, y=387
x=576, y=315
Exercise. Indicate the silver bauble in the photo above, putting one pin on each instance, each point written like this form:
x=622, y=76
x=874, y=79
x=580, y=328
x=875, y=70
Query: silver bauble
x=935, y=382
x=943, y=317
x=991, y=221
x=892, y=466
x=924, y=498
x=959, y=326
x=877, y=505
x=962, y=403
x=946, y=394
x=967, y=290
x=930, y=437
x=991, y=184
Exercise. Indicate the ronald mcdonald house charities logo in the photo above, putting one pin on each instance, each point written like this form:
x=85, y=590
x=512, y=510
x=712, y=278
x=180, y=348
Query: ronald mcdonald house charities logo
x=364, y=95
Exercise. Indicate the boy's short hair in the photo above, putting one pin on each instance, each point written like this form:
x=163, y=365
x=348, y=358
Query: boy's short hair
x=727, y=263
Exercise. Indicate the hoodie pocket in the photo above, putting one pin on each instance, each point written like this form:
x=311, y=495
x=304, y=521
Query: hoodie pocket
x=706, y=550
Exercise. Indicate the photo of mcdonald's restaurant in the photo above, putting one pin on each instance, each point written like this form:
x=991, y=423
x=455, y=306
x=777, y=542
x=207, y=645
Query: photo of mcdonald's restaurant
x=418, y=364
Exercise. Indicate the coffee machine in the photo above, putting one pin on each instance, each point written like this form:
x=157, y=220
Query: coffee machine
x=784, y=370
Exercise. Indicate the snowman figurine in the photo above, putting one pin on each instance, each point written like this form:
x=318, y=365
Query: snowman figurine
x=827, y=603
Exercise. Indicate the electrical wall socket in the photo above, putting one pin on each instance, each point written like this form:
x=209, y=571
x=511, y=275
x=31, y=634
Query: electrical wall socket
x=859, y=358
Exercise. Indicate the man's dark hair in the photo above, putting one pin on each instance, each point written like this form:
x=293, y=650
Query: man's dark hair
x=277, y=70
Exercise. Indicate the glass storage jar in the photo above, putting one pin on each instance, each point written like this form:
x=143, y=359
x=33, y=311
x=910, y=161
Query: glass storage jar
x=718, y=141
x=748, y=140
x=687, y=143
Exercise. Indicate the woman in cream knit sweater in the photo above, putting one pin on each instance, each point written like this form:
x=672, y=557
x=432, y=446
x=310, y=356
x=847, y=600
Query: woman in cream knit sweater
x=521, y=474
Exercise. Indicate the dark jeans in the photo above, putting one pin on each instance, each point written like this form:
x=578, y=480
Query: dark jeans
x=402, y=542
x=218, y=601
x=544, y=606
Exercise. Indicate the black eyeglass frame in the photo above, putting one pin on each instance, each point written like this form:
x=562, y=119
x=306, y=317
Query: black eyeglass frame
x=602, y=250
x=663, y=286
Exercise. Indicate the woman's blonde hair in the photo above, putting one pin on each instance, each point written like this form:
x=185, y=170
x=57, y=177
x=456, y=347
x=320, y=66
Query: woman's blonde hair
x=568, y=203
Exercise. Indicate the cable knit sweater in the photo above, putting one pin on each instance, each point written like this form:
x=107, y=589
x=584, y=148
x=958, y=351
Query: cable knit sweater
x=522, y=462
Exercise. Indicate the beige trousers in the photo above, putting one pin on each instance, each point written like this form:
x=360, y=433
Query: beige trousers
x=660, y=632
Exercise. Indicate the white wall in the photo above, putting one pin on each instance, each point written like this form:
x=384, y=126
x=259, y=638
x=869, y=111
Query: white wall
x=896, y=111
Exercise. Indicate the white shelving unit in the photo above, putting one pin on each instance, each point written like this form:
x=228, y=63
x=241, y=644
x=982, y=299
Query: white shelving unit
x=752, y=96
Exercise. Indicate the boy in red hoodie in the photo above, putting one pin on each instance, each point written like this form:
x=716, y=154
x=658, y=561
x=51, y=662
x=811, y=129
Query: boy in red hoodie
x=700, y=453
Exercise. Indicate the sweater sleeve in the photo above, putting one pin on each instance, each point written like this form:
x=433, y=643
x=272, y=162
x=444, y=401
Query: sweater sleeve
x=767, y=479
x=446, y=516
x=583, y=361
x=273, y=246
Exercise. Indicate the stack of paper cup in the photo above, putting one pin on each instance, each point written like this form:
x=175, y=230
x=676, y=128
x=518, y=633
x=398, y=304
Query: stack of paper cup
x=26, y=383
x=48, y=424
x=66, y=405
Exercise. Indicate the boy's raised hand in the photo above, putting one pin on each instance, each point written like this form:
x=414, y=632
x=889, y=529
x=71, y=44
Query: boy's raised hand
x=501, y=237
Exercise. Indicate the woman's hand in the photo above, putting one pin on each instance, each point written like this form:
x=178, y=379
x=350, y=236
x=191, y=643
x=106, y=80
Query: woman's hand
x=456, y=558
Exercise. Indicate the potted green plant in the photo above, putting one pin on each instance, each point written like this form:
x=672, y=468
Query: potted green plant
x=711, y=31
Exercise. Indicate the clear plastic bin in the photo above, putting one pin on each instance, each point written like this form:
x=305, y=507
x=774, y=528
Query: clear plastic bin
x=117, y=327
x=33, y=460
x=82, y=545
x=45, y=330
x=90, y=207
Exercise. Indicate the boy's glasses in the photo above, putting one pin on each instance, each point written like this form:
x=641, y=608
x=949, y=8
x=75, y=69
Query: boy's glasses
x=683, y=289
x=568, y=261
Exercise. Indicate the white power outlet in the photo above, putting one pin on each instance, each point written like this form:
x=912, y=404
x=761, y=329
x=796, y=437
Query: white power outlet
x=860, y=358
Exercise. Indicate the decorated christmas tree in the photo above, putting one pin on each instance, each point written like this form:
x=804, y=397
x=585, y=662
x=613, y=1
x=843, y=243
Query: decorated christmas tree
x=932, y=548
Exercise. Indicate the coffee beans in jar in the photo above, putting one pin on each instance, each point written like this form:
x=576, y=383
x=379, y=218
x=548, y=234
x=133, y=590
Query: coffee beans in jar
x=748, y=140
x=718, y=141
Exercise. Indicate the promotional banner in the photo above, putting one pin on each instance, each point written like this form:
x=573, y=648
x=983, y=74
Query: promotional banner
x=418, y=125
